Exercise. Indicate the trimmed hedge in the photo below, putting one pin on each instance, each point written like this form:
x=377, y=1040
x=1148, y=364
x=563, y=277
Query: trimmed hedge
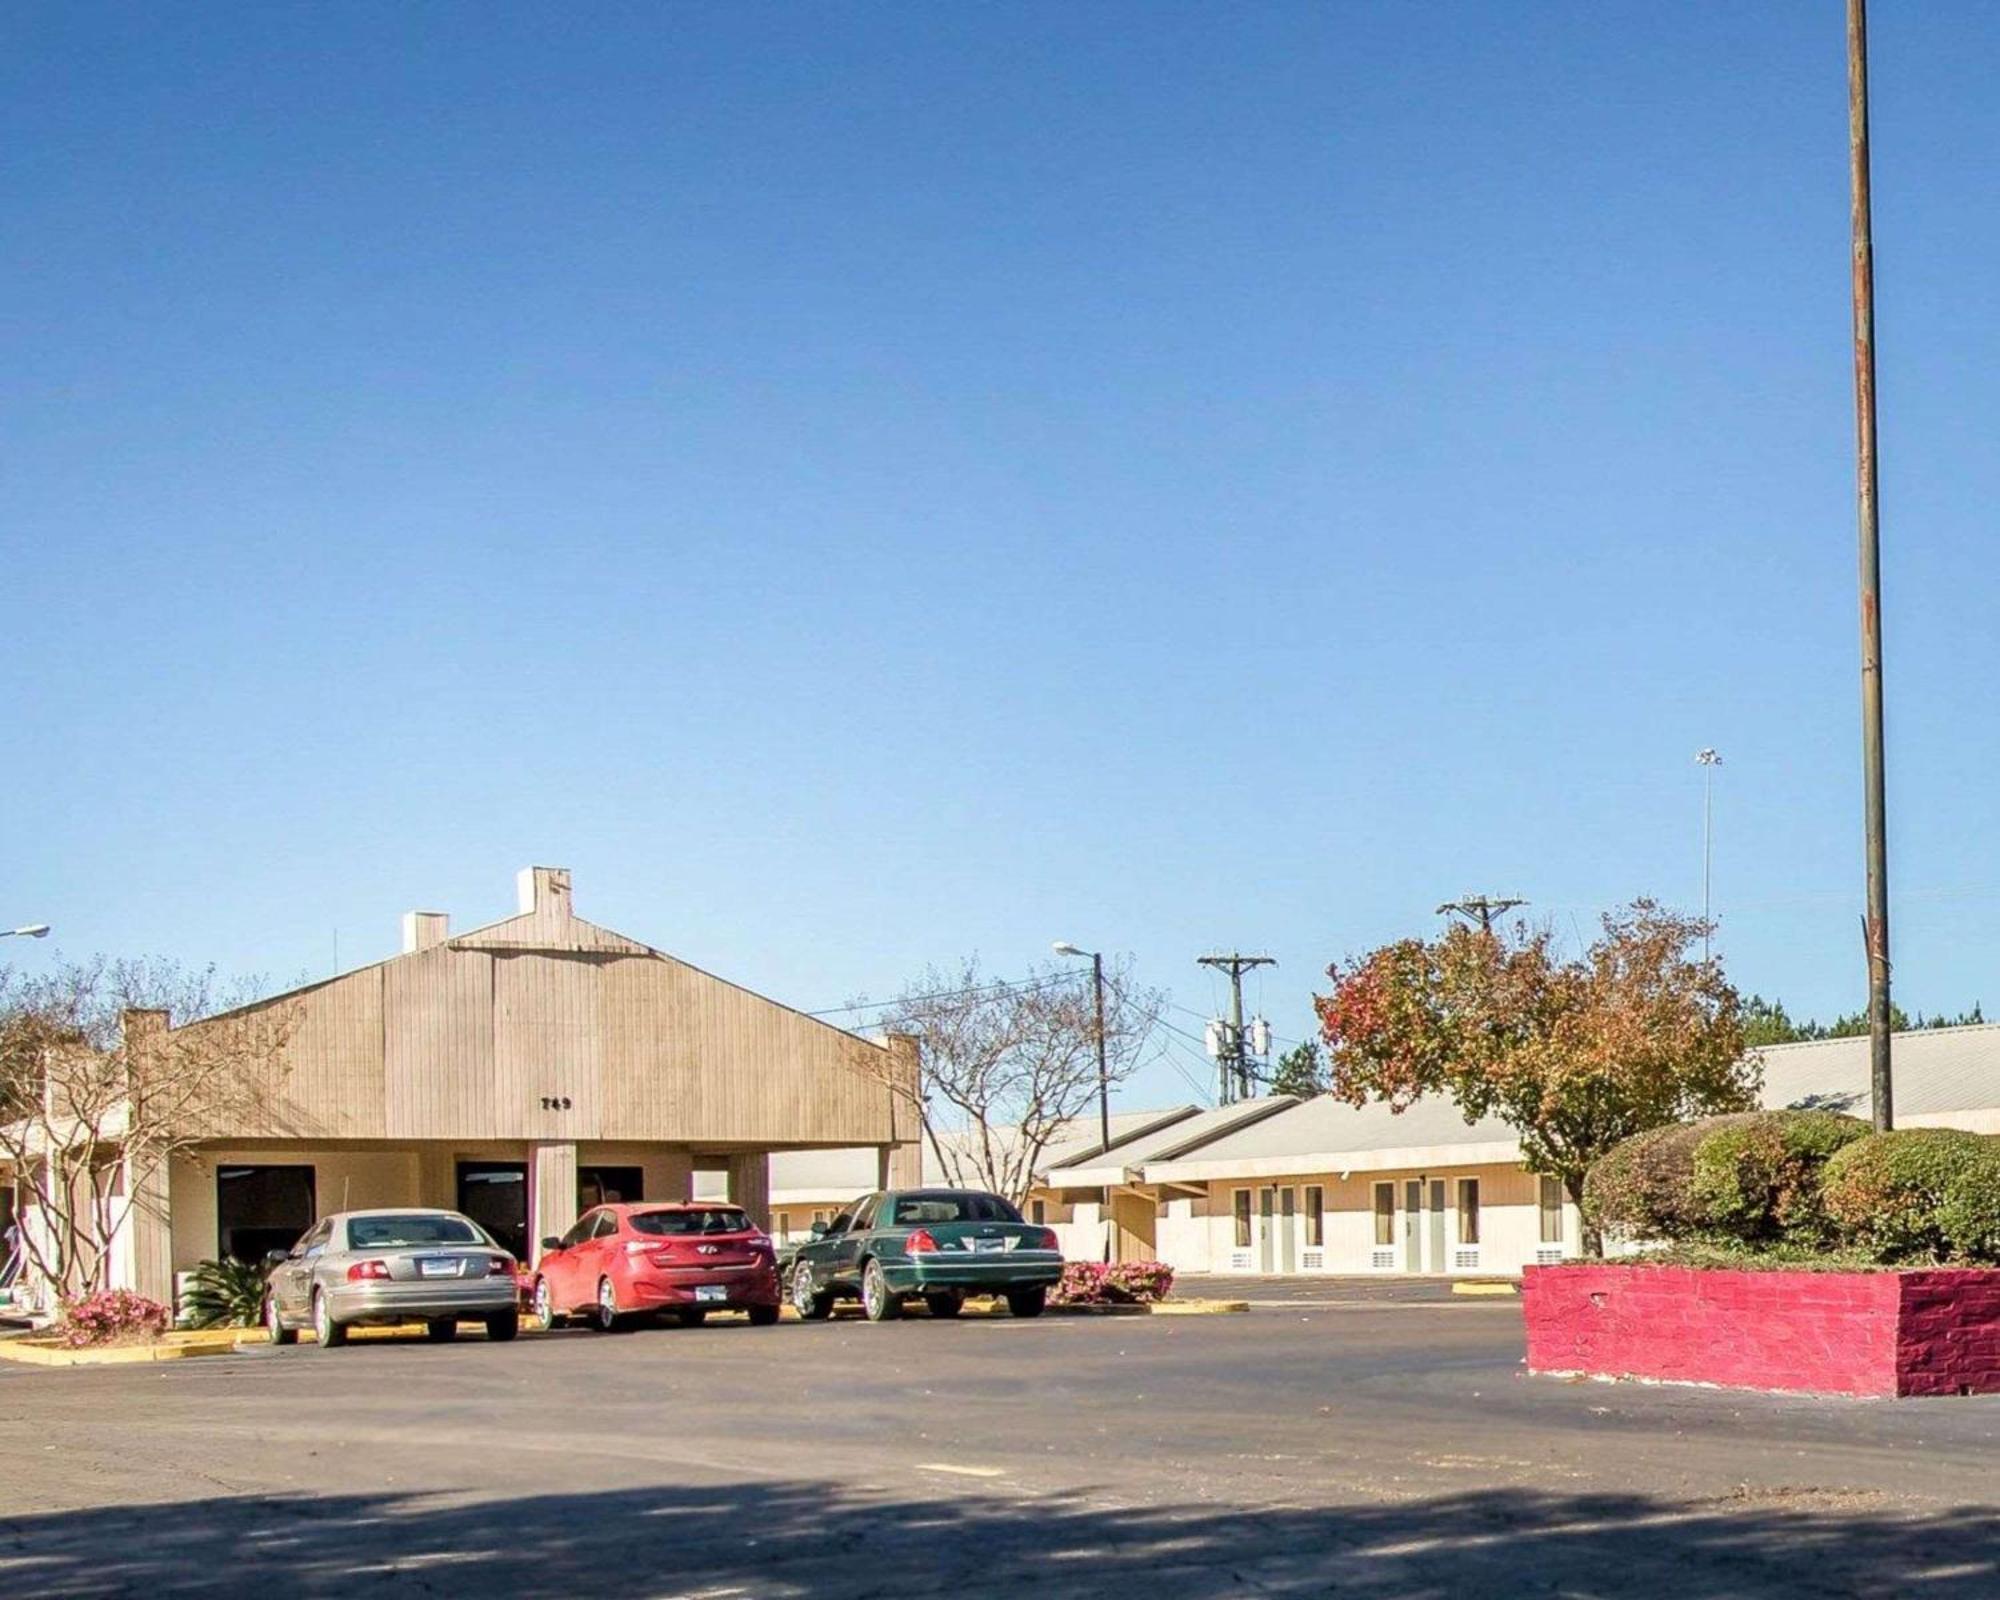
x=1757, y=1180
x=1917, y=1194
x=1644, y=1187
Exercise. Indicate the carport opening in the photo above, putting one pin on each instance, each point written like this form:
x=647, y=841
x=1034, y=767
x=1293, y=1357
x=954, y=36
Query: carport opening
x=495, y=1195
x=261, y=1209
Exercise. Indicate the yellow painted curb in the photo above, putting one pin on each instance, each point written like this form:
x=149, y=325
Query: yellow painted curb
x=1198, y=1308
x=1484, y=1289
x=42, y=1355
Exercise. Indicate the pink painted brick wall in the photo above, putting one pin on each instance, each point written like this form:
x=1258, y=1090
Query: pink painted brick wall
x=1857, y=1333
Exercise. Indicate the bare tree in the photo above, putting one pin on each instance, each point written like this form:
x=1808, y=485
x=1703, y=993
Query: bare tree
x=1008, y=1066
x=99, y=1092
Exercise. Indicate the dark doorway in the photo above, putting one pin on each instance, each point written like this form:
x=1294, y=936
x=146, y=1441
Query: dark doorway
x=495, y=1195
x=261, y=1209
x=608, y=1186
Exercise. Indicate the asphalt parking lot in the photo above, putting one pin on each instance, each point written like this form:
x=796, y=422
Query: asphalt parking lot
x=1345, y=1449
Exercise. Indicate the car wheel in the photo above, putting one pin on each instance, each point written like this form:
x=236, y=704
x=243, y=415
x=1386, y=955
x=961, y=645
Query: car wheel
x=607, y=1318
x=502, y=1326
x=274, y=1323
x=763, y=1316
x=876, y=1300
x=1027, y=1302
x=947, y=1303
x=330, y=1334
x=809, y=1303
x=545, y=1306
x=441, y=1330
x=692, y=1316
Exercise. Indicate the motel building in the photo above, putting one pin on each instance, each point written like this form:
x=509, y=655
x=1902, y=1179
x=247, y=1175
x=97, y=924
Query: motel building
x=1317, y=1186
x=521, y=1072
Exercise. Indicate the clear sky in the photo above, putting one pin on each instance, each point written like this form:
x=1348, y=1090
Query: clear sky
x=866, y=484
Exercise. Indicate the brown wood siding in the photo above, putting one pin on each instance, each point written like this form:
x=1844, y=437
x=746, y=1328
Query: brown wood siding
x=465, y=1041
x=333, y=1086
x=440, y=1075
x=548, y=1045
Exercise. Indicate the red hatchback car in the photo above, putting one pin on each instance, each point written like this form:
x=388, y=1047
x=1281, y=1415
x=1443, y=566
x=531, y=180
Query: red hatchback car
x=623, y=1262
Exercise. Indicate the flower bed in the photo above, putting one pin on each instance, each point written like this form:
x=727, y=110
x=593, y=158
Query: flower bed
x=1113, y=1283
x=1883, y=1333
x=113, y=1316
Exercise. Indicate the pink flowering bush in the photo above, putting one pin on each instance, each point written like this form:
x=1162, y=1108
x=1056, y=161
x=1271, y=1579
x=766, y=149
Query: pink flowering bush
x=1101, y=1283
x=113, y=1314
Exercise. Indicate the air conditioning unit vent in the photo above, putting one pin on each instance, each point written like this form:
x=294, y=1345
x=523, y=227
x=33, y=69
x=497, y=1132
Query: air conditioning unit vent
x=1240, y=1261
x=1465, y=1258
x=1384, y=1260
x=1550, y=1255
x=1315, y=1260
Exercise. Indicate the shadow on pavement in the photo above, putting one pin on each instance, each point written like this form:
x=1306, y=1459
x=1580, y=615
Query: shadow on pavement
x=790, y=1539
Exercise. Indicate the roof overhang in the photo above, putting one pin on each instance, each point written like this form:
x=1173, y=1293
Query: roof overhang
x=1423, y=1157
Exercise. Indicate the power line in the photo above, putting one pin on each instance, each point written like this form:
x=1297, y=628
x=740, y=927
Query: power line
x=999, y=986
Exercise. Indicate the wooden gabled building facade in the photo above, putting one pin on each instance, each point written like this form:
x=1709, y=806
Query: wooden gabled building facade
x=517, y=1072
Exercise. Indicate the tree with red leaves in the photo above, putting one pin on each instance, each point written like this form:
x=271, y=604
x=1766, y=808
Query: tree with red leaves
x=1574, y=1054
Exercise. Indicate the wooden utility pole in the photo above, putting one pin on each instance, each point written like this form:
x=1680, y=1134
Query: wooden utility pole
x=1479, y=908
x=1876, y=925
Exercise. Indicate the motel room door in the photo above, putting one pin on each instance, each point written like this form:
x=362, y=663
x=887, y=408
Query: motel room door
x=1423, y=1225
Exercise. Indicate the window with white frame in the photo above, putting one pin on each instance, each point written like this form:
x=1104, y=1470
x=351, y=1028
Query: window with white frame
x=1385, y=1215
x=1038, y=1211
x=1240, y=1204
x=1468, y=1211
x=1315, y=1216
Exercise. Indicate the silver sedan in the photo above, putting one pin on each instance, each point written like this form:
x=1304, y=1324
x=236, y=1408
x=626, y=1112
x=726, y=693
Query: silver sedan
x=391, y=1266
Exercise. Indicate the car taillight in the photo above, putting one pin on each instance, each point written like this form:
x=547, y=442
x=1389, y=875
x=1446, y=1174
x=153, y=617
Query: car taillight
x=648, y=1247
x=362, y=1270
x=920, y=1242
x=499, y=1266
x=1046, y=1240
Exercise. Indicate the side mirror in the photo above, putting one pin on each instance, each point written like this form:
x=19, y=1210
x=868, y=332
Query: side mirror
x=274, y=1258
x=817, y=1230
x=552, y=1243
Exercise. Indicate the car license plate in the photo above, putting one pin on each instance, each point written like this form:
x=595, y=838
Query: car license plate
x=989, y=1247
x=437, y=1269
x=711, y=1291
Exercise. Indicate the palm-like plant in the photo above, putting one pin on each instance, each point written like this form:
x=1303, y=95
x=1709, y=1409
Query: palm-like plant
x=224, y=1294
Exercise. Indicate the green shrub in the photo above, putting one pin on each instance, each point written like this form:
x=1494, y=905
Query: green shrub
x=1757, y=1179
x=1917, y=1194
x=1644, y=1187
x=224, y=1294
x=1969, y=1211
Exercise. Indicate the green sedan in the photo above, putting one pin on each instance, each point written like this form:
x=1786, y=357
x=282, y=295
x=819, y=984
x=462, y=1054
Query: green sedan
x=940, y=1244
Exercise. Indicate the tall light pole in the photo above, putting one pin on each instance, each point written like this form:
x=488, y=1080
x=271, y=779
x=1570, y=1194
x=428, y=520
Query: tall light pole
x=1876, y=924
x=1709, y=761
x=33, y=930
x=1065, y=948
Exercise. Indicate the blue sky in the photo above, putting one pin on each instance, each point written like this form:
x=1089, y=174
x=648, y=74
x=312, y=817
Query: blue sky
x=863, y=485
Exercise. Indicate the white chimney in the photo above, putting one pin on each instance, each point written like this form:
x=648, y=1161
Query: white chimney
x=543, y=889
x=422, y=929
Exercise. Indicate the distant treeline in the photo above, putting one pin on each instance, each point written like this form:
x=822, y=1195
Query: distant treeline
x=1767, y=1022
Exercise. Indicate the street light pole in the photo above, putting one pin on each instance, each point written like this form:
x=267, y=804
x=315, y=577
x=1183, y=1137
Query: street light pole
x=33, y=930
x=1709, y=762
x=1065, y=948
x=1876, y=925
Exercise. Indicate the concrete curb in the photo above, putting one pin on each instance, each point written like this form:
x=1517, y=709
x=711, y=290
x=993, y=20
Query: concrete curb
x=1198, y=1308
x=1476, y=1288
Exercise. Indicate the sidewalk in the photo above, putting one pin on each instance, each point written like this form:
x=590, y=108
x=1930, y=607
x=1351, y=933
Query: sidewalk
x=1316, y=1290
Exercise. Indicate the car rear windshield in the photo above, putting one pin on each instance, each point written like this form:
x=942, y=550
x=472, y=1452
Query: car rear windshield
x=912, y=1209
x=711, y=1219
x=387, y=1233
